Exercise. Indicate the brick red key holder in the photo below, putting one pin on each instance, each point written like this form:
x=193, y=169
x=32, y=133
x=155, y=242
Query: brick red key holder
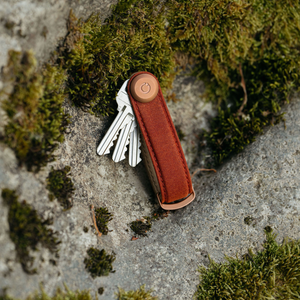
x=161, y=149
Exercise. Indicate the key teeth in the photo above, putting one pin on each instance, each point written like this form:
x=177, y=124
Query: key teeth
x=107, y=151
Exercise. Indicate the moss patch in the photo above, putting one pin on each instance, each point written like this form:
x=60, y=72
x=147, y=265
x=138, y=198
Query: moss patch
x=102, y=216
x=99, y=58
x=140, y=294
x=61, y=187
x=58, y=295
x=99, y=263
x=248, y=55
x=141, y=226
x=273, y=273
x=27, y=230
x=36, y=120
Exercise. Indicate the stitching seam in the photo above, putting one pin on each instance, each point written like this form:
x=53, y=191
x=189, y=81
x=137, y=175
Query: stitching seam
x=147, y=136
x=176, y=141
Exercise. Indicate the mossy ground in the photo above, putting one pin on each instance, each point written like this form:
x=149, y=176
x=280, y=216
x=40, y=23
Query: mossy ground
x=61, y=186
x=99, y=263
x=36, y=120
x=27, y=230
x=273, y=273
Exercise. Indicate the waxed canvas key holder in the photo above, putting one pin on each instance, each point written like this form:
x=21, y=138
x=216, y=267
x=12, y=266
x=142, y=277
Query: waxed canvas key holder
x=161, y=148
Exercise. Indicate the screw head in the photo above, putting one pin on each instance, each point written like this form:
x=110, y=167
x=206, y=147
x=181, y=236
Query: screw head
x=144, y=88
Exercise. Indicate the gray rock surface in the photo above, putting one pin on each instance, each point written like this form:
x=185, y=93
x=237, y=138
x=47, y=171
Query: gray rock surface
x=40, y=24
x=262, y=183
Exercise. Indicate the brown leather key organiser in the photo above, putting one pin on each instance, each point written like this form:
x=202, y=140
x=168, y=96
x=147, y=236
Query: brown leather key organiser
x=161, y=149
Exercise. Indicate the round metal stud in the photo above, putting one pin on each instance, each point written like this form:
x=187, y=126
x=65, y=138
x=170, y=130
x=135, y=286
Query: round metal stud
x=144, y=88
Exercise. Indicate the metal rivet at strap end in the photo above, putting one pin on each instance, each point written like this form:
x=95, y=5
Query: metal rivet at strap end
x=144, y=88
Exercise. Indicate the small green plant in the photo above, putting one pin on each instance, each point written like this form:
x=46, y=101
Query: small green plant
x=102, y=216
x=36, y=120
x=99, y=263
x=27, y=230
x=61, y=186
x=140, y=294
x=273, y=273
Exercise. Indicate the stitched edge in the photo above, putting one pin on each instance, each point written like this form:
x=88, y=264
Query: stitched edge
x=176, y=141
x=147, y=136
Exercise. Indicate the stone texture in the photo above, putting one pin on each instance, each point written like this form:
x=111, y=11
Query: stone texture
x=262, y=183
x=40, y=24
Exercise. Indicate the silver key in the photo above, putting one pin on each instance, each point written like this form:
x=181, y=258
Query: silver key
x=134, y=146
x=122, y=142
x=125, y=123
x=123, y=118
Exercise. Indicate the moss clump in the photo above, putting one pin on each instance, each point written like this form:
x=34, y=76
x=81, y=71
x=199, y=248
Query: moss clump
x=99, y=263
x=142, y=226
x=273, y=273
x=61, y=187
x=140, y=294
x=36, y=120
x=248, y=55
x=59, y=295
x=27, y=230
x=100, y=290
x=102, y=216
x=99, y=58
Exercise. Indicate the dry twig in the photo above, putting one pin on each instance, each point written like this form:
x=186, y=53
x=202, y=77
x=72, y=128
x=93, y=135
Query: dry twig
x=94, y=219
x=243, y=84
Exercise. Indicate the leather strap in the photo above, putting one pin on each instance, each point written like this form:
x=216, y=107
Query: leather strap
x=164, y=149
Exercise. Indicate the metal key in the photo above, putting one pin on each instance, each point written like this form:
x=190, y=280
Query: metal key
x=124, y=116
x=125, y=123
x=122, y=142
x=134, y=146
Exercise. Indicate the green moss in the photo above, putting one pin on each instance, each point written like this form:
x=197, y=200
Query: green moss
x=85, y=229
x=273, y=273
x=99, y=58
x=100, y=290
x=142, y=226
x=103, y=216
x=140, y=294
x=36, y=120
x=27, y=230
x=58, y=295
x=248, y=55
x=61, y=187
x=99, y=263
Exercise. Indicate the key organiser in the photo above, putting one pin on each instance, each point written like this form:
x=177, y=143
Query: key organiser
x=161, y=149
